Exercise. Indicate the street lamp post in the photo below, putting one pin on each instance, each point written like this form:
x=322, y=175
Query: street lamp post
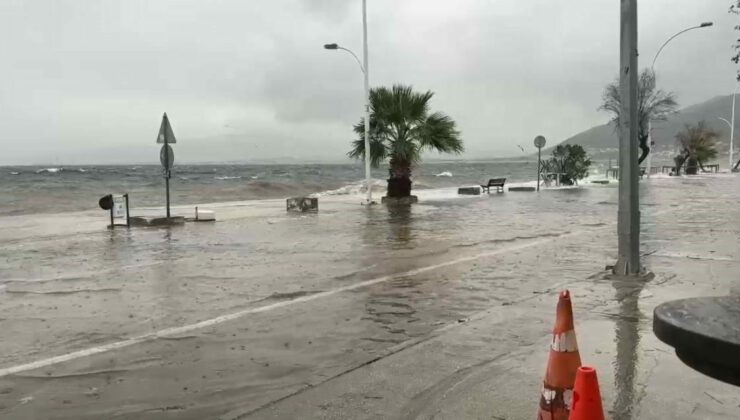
x=367, y=104
x=365, y=71
x=732, y=130
x=732, y=124
x=652, y=69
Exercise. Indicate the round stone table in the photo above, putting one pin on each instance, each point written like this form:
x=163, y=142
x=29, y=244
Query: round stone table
x=705, y=332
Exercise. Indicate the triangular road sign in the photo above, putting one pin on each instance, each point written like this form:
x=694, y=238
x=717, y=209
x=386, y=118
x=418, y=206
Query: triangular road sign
x=166, y=130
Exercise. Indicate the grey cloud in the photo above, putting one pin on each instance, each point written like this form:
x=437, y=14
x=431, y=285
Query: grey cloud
x=82, y=77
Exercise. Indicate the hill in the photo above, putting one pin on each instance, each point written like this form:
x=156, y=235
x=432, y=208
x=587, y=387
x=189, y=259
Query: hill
x=602, y=139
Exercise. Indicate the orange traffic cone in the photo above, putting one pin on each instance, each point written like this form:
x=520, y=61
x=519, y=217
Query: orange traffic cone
x=586, y=396
x=564, y=361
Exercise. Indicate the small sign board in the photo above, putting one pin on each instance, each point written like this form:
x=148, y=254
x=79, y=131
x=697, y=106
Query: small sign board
x=119, y=209
x=169, y=155
x=539, y=142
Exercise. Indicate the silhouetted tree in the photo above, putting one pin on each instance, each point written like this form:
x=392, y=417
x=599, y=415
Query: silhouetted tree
x=697, y=145
x=653, y=105
x=735, y=9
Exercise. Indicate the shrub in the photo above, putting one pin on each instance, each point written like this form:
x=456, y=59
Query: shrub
x=571, y=160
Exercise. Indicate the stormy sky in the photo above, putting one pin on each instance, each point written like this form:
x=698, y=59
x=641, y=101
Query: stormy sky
x=86, y=81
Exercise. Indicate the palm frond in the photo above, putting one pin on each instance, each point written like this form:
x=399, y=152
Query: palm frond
x=438, y=133
x=401, y=127
x=378, y=151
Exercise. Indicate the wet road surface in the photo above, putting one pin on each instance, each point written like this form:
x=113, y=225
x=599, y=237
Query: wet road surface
x=442, y=310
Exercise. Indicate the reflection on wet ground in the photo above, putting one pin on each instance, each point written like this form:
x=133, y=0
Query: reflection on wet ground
x=627, y=339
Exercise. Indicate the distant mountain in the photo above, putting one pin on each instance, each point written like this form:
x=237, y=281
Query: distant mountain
x=603, y=139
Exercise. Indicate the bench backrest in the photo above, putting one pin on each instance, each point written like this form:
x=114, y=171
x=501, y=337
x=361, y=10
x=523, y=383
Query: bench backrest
x=496, y=181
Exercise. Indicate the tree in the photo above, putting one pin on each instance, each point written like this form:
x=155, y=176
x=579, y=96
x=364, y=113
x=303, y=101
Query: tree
x=697, y=145
x=653, y=105
x=401, y=128
x=570, y=160
x=735, y=8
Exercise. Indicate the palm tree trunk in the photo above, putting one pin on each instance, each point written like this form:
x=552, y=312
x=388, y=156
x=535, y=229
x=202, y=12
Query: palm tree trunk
x=736, y=165
x=691, y=166
x=399, y=182
x=644, y=147
x=679, y=161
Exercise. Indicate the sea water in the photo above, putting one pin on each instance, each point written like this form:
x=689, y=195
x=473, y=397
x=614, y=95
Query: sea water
x=41, y=189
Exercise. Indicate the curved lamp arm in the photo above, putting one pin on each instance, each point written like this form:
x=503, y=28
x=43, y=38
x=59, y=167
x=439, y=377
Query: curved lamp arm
x=703, y=25
x=338, y=47
x=726, y=122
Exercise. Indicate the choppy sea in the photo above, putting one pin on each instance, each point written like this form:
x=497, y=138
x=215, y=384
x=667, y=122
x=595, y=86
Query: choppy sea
x=47, y=189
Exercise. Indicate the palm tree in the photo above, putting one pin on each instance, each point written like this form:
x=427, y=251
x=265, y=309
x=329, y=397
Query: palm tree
x=697, y=144
x=653, y=105
x=401, y=128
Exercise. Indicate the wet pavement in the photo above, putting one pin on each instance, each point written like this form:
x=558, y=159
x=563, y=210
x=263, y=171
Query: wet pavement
x=438, y=311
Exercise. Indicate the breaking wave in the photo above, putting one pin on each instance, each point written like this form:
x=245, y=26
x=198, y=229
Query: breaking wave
x=355, y=188
x=49, y=170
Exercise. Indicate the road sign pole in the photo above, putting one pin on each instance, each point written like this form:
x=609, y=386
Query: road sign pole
x=539, y=167
x=167, y=173
x=166, y=155
x=167, y=186
x=539, y=143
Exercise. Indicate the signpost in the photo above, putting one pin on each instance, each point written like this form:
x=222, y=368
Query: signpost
x=166, y=154
x=539, y=143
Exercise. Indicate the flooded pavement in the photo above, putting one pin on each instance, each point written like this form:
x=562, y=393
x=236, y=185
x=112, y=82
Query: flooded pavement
x=441, y=310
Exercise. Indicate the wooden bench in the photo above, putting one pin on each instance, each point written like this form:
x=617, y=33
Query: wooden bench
x=711, y=168
x=494, y=182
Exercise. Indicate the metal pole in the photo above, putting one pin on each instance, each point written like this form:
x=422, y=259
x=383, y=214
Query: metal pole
x=628, y=224
x=732, y=124
x=367, y=104
x=650, y=145
x=539, y=168
x=167, y=172
x=128, y=216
